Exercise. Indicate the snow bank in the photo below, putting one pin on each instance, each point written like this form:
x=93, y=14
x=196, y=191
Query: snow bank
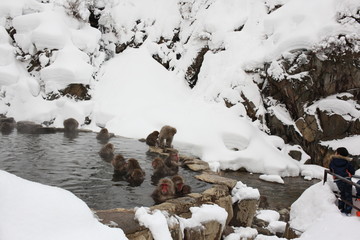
x=70, y=66
x=316, y=213
x=136, y=96
x=35, y=211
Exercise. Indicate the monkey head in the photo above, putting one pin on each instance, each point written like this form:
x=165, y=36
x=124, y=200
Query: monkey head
x=166, y=186
x=157, y=163
x=178, y=182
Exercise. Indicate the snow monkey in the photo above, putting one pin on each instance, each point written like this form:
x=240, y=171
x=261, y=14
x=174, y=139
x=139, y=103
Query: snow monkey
x=131, y=165
x=119, y=164
x=166, y=134
x=136, y=177
x=134, y=173
x=180, y=188
x=7, y=125
x=70, y=125
x=152, y=138
x=172, y=161
x=164, y=191
x=107, y=152
x=104, y=135
x=160, y=169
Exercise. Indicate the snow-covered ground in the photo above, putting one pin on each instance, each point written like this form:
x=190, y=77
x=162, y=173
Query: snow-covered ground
x=132, y=94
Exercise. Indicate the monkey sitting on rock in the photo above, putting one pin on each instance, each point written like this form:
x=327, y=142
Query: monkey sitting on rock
x=152, y=138
x=166, y=136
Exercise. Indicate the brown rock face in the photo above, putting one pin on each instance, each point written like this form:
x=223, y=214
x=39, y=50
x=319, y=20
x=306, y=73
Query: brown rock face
x=308, y=76
x=78, y=91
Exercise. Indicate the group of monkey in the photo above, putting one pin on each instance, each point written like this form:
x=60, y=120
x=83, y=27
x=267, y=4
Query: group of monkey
x=165, y=171
x=131, y=171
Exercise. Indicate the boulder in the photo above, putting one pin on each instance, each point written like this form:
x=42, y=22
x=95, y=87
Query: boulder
x=244, y=212
x=209, y=230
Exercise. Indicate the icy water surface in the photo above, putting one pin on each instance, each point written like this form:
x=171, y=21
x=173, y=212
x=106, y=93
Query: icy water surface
x=74, y=164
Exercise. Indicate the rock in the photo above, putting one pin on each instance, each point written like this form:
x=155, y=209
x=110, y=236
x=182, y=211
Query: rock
x=295, y=154
x=333, y=125
x=244, y=212
x=226, y=203
x=141, y=235
x=263, y=202
x=284, y=215
x=77, y=91
x=193, y=70
x=227, y=231
x=289, y=233
x=209, y=230
x=213, y=178
x=177, y=206
x=195, y=164
x=308, y=128
x=120, y=217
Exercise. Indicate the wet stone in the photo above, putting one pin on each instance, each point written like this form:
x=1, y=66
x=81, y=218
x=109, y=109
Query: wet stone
x=121, y=218
x=195, y=164
x=212, y=178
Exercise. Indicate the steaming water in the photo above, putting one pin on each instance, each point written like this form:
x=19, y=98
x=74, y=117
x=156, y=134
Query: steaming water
x=74, y=164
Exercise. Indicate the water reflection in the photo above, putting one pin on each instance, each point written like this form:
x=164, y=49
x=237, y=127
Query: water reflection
x=74, y=164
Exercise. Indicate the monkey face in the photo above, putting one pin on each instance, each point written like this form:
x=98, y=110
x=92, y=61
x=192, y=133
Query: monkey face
x=164, y=188
x=179, y=186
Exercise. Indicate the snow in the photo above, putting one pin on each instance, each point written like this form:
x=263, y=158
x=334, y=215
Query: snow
x=272, y=217
x=70, y=66
x=351, y=143
x=332, y=104
x=133, y=95
x=268, y=215
x=159, y=222
x=310, y=171
x=155, y=222
x=204, y=214
x=272, y=178
x=34, y=211
x=277, y=227
x=315, y=213
x=242, y=233
x=241, y=192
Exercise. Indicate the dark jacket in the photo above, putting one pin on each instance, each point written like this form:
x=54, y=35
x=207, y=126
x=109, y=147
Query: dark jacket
x=341, y=166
